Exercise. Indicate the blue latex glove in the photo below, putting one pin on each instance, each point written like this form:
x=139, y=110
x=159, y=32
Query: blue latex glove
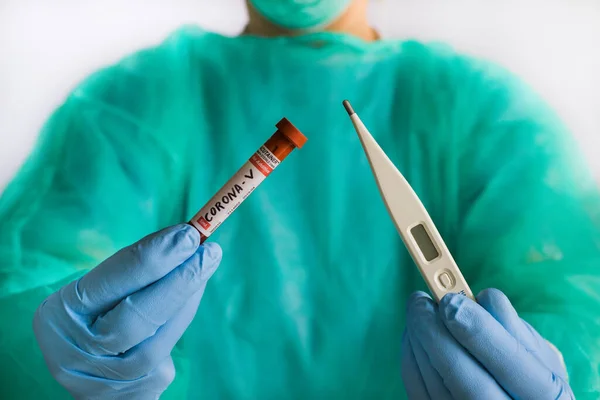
x=109, y=335
x=468, y=350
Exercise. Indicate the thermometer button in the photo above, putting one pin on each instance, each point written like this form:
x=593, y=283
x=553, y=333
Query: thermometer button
x=446, y=280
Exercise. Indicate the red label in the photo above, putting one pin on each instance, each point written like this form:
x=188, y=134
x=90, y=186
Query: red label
x=261, y=165
x=203, y=223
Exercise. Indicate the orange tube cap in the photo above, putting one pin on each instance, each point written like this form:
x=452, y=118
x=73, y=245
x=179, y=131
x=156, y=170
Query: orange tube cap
x=291, y=132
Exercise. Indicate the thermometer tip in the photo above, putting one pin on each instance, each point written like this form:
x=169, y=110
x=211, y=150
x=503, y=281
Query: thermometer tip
x=348, y=107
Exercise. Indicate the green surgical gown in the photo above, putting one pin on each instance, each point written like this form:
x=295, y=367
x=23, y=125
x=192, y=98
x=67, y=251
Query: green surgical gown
x=309, y=300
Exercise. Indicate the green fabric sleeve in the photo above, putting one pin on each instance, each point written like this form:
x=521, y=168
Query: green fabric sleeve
x=528, y=224
x=93, y=184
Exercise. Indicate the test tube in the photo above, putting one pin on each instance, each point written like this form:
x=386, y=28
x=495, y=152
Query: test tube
x=246, y=179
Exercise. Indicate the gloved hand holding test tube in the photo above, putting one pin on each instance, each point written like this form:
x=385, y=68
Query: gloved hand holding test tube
x=109, y=334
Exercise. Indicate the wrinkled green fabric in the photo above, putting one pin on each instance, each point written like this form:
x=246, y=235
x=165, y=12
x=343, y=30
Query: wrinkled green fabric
x=300, y=14
x=309, y=300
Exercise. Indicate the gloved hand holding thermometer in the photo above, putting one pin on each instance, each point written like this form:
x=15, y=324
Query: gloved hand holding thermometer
x=465, y=350
x=461, y=349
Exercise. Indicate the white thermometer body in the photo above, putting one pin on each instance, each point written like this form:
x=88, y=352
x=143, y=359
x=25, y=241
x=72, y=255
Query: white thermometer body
x=417, y=230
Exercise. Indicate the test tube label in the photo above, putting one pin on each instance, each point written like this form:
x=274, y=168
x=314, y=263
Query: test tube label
x=235, y=191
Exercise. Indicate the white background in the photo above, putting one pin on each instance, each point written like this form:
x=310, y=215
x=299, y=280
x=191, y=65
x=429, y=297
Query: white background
x=46, y=47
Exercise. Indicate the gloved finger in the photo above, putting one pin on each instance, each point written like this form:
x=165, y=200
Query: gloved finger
x=132, y=268
x=431, y=377
x=549, y=354
x=499, y=306
x=461, y=374
x=139, y=316
x=108, y=385
x=411, y=375
x=145, y=357
x=514, y=368
x=150, y=386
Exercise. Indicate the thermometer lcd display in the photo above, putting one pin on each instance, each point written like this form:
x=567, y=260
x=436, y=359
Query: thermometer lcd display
x=421, y=237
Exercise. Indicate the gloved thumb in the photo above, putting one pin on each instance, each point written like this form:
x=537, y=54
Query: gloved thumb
x=132, y=269
x=141, y=314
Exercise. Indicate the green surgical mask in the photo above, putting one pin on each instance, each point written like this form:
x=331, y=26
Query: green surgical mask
x=301, y=14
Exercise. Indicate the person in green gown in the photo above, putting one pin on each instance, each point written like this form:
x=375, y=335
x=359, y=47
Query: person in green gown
x=315, y=295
